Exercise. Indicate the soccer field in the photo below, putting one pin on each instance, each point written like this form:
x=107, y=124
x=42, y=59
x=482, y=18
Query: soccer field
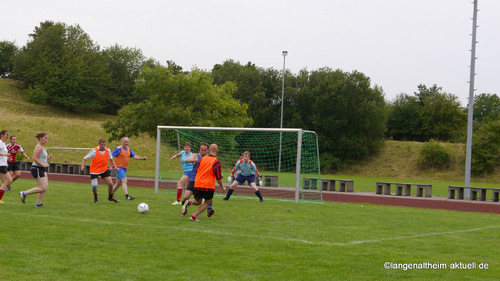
x=71, y=238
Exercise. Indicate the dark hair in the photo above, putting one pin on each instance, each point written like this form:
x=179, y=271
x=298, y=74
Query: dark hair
x=102, y=140
x=40, y=135
x=188, y=144
x=12, y=136
x=3, y=132
x=204, y=143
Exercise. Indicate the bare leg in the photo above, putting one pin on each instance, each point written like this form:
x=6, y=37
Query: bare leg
x=203, y=207
x=187, y=194
x=109, y=182
x=6, y=180
x=15, y=175
x=117, y=185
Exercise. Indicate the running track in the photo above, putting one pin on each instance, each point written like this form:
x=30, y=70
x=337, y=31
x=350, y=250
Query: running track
x=351, y=197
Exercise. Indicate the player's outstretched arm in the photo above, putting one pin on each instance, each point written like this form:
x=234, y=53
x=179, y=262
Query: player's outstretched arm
x=192, y=159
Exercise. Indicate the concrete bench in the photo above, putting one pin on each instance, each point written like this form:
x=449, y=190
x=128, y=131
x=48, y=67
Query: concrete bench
x=25, y=165
x=270, y=180
x=404, y=189
x=474, y=192
x=344, y=185
x=310, y=183
x=459, y=190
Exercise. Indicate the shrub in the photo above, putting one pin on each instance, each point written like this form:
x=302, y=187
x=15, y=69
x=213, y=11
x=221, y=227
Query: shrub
x=36, y=95
x=434, y=155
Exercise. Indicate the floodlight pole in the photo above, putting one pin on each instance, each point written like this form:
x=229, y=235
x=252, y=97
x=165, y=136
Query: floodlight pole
x=282, y=100
x=468, y=153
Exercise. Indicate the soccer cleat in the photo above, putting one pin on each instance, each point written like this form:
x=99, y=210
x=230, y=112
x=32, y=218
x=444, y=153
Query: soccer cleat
x=1, y=202
x=196, y=219
x=176, y=203
x=39, y=205
x=262, y=200
x=130, y=197
x=225, y=198
x=210, y=212
x=23, y=196
x=95, y=199
x=184, y=209
x=113, y=199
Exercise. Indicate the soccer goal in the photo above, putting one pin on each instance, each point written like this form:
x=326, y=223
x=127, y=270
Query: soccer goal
x=287, y=159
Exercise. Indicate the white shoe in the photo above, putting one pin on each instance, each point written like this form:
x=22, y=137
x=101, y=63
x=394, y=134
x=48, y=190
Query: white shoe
x=176, y=203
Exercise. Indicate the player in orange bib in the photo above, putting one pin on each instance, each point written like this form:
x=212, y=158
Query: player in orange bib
x=208, y=171
x=99, y=167
x=123, y=153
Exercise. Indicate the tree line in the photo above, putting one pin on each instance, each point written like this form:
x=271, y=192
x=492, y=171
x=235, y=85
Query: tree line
x=60, y=65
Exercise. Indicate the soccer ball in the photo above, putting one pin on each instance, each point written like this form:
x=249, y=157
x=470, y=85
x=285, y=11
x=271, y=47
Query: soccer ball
x=143, y=208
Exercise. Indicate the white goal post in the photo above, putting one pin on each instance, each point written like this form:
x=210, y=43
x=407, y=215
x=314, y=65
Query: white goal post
x=264, y=144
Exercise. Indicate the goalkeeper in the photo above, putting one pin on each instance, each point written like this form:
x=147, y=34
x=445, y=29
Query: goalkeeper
x=248, y=173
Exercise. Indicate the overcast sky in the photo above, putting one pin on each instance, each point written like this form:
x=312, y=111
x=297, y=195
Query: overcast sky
x=397, y=43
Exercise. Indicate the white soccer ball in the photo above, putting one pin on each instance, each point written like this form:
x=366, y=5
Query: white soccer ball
x=143, y=208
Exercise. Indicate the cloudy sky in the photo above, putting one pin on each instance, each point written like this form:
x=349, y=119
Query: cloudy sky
x=397, y=43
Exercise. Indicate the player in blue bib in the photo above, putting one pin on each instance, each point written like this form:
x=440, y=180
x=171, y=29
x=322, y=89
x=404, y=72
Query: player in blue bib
x=187, y=167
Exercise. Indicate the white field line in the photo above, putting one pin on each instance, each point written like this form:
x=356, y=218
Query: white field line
x=192, y=228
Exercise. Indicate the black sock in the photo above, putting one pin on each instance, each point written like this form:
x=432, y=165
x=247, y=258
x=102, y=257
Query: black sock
x=259, y=195
x=229, y=192
x=111, y=196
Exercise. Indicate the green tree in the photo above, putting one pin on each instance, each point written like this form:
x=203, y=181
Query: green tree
x=486, y=148
x=429, y=114
x=442, y=118
x=125, y=65
x=486, y=108
x=182, y=99
x=403, y=119
x=8, y=51
x=250, y=89
x=347, y=113
x=66, y=65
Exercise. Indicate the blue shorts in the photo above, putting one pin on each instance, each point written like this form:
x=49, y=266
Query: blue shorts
x=188, y=173
x=121, y=173
x=241, y=179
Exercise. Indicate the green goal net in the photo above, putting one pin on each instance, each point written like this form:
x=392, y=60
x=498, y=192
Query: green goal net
x=287, y=159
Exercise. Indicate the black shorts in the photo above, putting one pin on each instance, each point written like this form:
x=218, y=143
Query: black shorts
x=13, y=166
x=190, y=186
x=207, y=195
x=37, y=172
x=103, y=175
x=3, y=169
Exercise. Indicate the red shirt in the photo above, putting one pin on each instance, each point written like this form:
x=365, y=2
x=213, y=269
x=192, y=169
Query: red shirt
x=13, y=150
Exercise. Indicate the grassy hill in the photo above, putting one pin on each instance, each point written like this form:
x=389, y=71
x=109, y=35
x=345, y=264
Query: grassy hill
x=65, y=129
x=69, y=129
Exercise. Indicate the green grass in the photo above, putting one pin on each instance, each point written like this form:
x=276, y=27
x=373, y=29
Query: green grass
x=71, y=238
